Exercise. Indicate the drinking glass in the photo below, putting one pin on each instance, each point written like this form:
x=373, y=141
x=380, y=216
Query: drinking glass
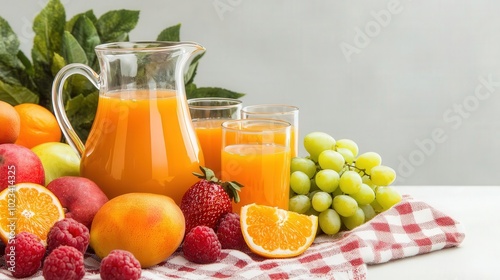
x=282, y=112
x=208, y=114
x=256, y=154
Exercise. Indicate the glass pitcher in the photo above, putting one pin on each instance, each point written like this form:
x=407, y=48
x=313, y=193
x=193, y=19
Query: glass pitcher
x=142, y=138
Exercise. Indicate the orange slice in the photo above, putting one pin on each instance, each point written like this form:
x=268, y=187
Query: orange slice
x=28, y=207
x=276, y=233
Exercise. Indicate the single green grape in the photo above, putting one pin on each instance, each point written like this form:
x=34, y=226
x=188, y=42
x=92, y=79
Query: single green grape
x=357, y=219
x=345, y=205
x=367, y=161
x=299, y=203
x=348, y=144
x=305, y=165
x=346, y=154
x=327, y=180
x=369, y=211
x=321, y=201
x=350, y=182
x=317, y=142
x=382, y=175
x=329, y=221
x=330, y=159
x=300, y=182
x=364, y=196
x=387, y=197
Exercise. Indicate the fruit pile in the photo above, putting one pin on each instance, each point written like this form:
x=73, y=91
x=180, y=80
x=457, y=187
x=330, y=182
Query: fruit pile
x=211, y=224
x=59, y=215
x=63, y=255
x=27, y=125
x=343, y=188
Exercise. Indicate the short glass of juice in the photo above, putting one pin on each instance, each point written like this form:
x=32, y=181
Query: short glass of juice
x=207, y=115
x=282, y=112
x=256, y=153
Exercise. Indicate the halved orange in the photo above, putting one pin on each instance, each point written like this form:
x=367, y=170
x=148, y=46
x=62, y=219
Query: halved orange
x=276, y=233
x=28, y=207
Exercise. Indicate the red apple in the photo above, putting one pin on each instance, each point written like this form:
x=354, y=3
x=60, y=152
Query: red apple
x=80, y=196
x=19, y=164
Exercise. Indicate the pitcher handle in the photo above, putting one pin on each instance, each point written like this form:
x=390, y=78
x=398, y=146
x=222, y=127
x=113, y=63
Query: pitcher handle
x=57, y=101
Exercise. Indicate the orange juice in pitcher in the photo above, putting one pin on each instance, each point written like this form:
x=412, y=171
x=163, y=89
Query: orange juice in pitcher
x=142, y=138
x=134, y=135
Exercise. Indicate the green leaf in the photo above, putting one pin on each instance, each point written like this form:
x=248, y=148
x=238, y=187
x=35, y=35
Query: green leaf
x=58, y=63
x=71, y=50
x=8, y=70
x=86, y=34
x=16, y=94
x=114, y=26
x=9, y=43
x=171, y=34
x=89, y=14
x=11, y=69
x=190, y=88
x=213, y=92
x=28, y=67
x=49, y=28
x=81, y=111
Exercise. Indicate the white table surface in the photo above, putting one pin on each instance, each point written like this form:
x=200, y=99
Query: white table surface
x=478, y=257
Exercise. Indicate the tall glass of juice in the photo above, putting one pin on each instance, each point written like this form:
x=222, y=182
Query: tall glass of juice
x=256, y=154
x=208, y=114
x=282, y=112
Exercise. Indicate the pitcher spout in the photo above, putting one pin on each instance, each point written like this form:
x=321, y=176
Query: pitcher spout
x=193, y=48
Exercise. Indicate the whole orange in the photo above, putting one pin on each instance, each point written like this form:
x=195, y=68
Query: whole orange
x=150, y=226
x=10, y=123
x=38, y=125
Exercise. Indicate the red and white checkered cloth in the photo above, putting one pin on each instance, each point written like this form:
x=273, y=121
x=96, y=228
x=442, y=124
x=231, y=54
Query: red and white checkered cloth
x=408, y=229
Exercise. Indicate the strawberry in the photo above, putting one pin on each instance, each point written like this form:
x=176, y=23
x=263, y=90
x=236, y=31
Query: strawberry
x=207, y=200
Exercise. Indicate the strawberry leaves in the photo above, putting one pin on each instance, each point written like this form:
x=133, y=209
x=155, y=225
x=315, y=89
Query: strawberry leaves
x=232, y=188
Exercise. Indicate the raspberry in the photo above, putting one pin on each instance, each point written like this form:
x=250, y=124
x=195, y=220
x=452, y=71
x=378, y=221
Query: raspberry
x=24, y=254
x=201, y=245
x=229, y=232
x=64, y=263
x=68, y=232
x=120, y=265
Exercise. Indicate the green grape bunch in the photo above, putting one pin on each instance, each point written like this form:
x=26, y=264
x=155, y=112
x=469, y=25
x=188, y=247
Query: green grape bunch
x=343, y=188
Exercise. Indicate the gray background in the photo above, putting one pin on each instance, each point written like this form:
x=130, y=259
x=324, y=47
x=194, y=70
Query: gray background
x=416, y=81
